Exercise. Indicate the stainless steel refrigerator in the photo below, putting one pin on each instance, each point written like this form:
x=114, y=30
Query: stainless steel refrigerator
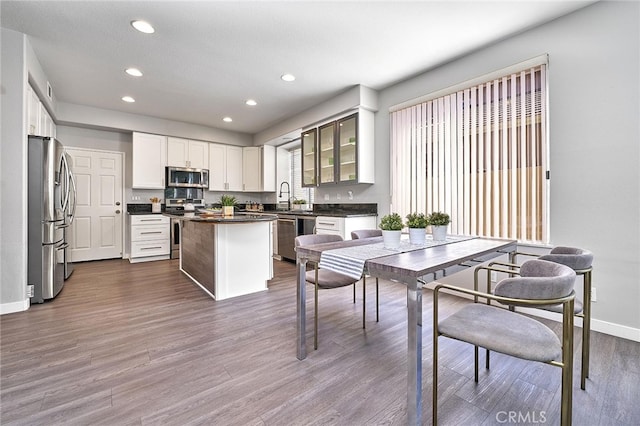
x=50, y=213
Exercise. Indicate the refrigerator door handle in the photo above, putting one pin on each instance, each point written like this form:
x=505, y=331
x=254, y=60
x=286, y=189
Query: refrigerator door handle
x=75, y=193
x=63, y=176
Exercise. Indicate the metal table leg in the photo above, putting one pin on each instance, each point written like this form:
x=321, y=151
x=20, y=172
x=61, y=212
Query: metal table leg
x=414, y=352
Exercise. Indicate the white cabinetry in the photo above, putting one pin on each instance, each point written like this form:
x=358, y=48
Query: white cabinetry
x=150, y=238
x=187, y=153
x=149, y=160
x=39, y=122
x=225, y=168
x=344, y=225
x=259, y=169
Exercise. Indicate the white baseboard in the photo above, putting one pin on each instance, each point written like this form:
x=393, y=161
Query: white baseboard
x=9, y=308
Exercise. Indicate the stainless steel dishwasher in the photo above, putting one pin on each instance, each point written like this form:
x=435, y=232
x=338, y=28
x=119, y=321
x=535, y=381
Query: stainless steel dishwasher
x=287, y=232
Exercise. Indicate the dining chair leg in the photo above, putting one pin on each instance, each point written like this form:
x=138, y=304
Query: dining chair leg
x=377, y=303
x=354, y=293
x=586, y=329
x=364, y=300
x=567, y=364
x=475, y=363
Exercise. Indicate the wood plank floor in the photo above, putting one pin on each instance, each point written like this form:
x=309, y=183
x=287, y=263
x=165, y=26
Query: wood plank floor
x=140, y=344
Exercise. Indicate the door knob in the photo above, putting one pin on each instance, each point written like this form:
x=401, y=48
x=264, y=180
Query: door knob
x=117, y=203
x=117, y=211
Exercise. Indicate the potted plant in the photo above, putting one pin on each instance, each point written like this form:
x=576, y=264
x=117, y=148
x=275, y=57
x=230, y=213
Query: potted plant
x=417, y=222
x=228, y=203
x=439, y=222
x=391, y=226
x=300, y=204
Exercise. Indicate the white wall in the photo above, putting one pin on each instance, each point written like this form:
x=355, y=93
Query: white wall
x=13, y=165
x=594, y=140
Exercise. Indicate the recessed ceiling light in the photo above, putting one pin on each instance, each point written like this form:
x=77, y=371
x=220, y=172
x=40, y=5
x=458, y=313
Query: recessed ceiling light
x=128, y=99
x=143, y=27
x=134, y=72
x=288, y=77
x=227, y=119
x=251, y=102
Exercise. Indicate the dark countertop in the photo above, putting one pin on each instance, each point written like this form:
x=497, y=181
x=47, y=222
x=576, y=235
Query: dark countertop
x=237, y=218
x=333, y=210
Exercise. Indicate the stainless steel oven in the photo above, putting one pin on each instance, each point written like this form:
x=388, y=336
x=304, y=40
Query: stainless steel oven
x=175, y=238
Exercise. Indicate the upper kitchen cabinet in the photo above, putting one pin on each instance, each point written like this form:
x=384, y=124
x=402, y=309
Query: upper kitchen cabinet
x=225, y=167
x=187, y=153
x=149, y=160
x=345, y=149
x=259, y=169
x=309, y=158
x=39, y=122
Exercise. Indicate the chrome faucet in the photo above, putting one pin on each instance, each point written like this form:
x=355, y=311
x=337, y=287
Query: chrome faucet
x=288, y=192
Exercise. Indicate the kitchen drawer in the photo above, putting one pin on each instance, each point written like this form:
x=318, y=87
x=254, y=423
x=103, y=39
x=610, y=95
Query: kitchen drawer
x=149, y=232
x=149, y=219
x=149, y=248
x=327, y=223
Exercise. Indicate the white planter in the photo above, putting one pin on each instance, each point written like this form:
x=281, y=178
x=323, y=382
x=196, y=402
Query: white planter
x=417, y=235
x=439, y=232
x=227, y=210
x=391, y=239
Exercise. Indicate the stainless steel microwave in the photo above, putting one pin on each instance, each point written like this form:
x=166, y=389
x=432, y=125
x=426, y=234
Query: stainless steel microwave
x=183, y=177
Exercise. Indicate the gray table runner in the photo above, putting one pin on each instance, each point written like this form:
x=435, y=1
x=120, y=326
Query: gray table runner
x=350, y=260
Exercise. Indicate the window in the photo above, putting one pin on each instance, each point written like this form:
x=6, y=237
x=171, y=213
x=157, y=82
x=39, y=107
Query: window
x=478, y=153
x=297, y=191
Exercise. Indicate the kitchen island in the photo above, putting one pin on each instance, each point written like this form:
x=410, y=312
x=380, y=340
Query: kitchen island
x=227, y=256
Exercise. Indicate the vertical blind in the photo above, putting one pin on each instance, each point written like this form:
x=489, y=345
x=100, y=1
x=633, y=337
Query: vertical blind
x=478, y=154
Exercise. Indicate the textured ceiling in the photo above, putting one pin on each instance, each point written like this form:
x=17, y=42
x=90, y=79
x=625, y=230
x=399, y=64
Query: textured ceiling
x=206, y=58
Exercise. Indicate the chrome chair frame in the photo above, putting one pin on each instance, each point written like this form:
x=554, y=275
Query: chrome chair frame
x=566, y=363
x=364, y=296
x=512, y=268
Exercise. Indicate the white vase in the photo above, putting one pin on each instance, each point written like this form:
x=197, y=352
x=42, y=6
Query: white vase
x=391, y=239
x=227, y=210
x=417, y=235
x=439, y=232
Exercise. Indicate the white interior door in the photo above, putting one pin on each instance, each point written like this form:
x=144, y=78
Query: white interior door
x=96, y=232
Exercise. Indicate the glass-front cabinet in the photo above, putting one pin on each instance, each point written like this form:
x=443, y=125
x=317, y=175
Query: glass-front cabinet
x=347, y=136
x=343, y=151
x=327, y=151
x=309, y=158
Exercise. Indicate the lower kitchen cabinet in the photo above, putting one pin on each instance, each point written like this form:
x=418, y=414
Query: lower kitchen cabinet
x=150, y=238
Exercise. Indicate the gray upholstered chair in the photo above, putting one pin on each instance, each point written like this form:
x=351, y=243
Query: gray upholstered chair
x=325, y=279
x=541, y=283
x=366, y=233
x=580, y=261
x=369, y=233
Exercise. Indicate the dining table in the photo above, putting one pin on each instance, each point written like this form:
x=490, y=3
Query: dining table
x=410, y=265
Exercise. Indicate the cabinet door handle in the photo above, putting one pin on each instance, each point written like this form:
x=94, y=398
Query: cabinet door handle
x=151, y=220
x=150, y=232
x=150, y=248
x=327, y=223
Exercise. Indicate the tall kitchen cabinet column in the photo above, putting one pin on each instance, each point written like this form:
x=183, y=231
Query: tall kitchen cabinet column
x=187, y=153
x=225, y=167
x=149, y=160
x=259, y=168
